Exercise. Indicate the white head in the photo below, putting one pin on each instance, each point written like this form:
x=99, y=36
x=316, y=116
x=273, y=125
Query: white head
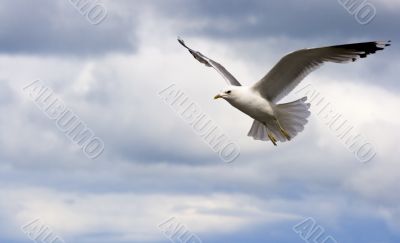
x=229, y=93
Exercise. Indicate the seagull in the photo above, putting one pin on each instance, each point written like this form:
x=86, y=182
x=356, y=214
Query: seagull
x=281, y=122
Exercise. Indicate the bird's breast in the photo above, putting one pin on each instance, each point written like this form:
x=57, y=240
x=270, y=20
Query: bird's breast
x=254, y=106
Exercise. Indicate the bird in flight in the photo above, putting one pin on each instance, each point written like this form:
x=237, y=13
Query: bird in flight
x=281, y=122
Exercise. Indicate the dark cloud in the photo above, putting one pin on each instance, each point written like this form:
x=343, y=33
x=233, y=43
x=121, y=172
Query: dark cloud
x=57, y=28
x=303, y=19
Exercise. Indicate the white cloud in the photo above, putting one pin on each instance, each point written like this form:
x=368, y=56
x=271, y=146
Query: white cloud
x=155, y=167
x=131, y=216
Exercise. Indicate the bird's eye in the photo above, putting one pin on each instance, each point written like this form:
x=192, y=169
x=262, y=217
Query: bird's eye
x=228, y=92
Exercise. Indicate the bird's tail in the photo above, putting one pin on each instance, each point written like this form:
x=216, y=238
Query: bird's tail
x=291, y=116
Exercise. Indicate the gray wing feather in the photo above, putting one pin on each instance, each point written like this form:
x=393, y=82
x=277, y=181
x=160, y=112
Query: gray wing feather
x=210, y=63
x=294, y=67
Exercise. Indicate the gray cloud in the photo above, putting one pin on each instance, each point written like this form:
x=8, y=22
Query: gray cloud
x=150, y=150
x=57, y=28
x=305, y=19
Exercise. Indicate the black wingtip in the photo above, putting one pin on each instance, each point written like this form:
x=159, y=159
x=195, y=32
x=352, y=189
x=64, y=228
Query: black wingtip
x=183, y=43
x=366, y=48
x=381, y=45
x=180, y=40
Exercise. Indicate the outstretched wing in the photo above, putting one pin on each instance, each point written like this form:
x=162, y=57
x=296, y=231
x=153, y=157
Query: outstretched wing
x=210, y=63
x=294, y=67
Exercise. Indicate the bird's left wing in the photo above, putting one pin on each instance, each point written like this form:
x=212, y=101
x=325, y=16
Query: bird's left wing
x=294, y=67
x=210, y=63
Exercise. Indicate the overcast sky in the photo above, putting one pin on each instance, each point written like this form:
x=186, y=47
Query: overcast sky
x=154, y=165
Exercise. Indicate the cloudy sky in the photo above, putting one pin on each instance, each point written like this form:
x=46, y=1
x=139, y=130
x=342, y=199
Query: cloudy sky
x=154, y=165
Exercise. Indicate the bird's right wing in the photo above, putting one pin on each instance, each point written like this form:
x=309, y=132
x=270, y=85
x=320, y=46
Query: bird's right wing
x=210, y=63
x=294, y=67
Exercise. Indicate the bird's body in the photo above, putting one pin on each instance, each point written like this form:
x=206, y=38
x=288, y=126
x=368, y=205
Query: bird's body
x=282, y=122
x=250, y=102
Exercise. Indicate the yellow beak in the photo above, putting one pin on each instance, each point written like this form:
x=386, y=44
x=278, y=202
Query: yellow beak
x=217, y=97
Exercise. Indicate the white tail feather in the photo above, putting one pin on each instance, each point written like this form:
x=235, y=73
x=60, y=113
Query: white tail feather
x=292, y=117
